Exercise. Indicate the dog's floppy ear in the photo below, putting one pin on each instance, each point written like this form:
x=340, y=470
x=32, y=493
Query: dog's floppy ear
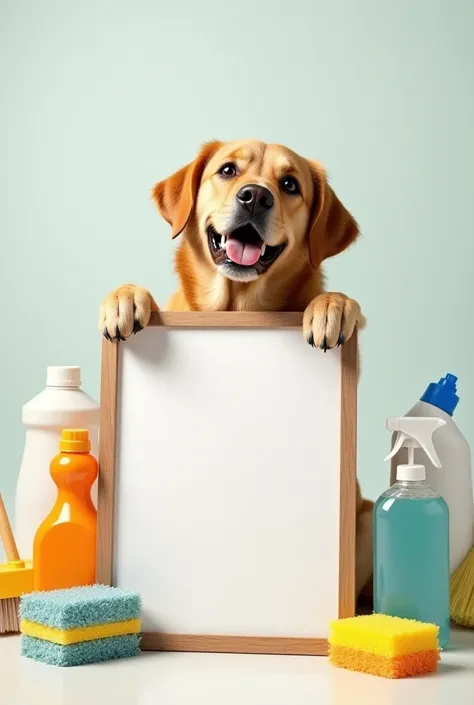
x=332, y=228
x=176, y=195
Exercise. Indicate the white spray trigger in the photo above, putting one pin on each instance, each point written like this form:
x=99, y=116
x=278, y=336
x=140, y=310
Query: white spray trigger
x=415, y=432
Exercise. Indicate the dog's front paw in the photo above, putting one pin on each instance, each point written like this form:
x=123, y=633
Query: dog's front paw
x=329, y=320
x=125, y=311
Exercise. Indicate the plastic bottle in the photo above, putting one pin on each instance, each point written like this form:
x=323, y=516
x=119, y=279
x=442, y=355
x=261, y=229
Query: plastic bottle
x=411, y=535
x=62, y=404
x=454, y=482
x=64, y=553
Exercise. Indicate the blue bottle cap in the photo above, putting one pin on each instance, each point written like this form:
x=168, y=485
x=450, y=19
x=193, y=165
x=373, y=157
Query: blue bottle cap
x=442, y=394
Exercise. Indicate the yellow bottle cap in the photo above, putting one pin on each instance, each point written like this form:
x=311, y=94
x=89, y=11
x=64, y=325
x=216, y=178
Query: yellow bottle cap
x=75, y=440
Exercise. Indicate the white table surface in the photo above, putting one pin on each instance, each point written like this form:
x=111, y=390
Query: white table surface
x=169, y=679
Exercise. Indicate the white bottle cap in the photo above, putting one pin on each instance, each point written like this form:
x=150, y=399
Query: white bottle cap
x=411, y=473
x=63, y=377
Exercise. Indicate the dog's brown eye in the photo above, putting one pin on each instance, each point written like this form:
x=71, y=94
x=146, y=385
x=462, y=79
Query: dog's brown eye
x=290, y=185
x=228, y=170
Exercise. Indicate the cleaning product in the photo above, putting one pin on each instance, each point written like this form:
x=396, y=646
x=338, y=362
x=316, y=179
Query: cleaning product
x=62, y=404
x=411, y=535
x=454, y=481
x=64, y=552
x=80, y=625
x=384, y=646
x=16, y=576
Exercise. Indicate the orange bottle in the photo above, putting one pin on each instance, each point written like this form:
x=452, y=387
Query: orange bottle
x=64, y=550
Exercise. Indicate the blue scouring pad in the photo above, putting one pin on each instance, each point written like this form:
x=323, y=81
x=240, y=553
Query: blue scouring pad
x=80, y=607
x=81, y=653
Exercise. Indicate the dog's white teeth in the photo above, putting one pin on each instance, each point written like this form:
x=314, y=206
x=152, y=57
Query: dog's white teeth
x=264, y=247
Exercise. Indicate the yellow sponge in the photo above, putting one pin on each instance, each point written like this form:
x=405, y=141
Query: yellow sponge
x=78, y=634
x=383, y=645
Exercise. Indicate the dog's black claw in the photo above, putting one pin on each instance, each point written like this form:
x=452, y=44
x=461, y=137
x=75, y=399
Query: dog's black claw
x=324, y=346
x=118, y=335
x=341, y=340
x=106, y=334
x=311, y=340
x=137, y=327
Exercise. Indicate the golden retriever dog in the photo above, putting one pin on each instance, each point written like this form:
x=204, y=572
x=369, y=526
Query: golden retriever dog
x=256, y=223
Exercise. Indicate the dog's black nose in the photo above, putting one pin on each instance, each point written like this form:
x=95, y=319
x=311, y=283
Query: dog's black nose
x=255, y=199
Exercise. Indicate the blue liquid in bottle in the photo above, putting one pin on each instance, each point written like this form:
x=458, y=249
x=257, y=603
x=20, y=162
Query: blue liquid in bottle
x=411, y=555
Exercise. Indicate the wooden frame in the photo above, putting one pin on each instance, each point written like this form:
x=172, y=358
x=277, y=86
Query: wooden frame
x=107, y=458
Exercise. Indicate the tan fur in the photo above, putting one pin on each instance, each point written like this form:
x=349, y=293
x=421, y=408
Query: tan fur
x=314, y=225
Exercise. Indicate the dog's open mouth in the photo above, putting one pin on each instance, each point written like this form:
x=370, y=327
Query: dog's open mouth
x=242, y=252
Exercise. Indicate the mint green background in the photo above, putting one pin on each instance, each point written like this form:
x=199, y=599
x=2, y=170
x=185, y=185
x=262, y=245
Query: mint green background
x=102, y=99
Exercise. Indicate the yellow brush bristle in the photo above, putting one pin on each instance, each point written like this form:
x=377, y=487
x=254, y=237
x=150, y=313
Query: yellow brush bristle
x=462, y=592
x=384, y=635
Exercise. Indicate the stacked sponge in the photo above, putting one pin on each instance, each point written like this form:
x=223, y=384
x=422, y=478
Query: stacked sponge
x=384, y=646
x=80, y=625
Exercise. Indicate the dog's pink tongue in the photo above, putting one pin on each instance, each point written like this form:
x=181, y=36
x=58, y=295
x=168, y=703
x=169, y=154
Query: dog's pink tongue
x=242, y=253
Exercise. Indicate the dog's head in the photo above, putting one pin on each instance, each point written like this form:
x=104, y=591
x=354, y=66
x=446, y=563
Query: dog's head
x=249, y=208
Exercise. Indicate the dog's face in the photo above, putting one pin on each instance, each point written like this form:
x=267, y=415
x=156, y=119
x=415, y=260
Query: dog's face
x=251, y=209
x=253, y=206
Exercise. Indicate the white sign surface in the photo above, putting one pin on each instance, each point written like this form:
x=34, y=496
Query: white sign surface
x=227, y=501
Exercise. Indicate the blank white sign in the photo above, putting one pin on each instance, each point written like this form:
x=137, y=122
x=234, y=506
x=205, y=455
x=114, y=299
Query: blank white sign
x=228, y=481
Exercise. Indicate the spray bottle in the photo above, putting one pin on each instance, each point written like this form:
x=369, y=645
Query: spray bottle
x=411, y=535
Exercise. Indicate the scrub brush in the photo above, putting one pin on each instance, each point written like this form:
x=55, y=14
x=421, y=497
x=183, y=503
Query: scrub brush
x=16, y=577
x=462, y=592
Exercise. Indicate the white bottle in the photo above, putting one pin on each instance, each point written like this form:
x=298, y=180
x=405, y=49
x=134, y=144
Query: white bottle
x=454, y=481
x=61, y=405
